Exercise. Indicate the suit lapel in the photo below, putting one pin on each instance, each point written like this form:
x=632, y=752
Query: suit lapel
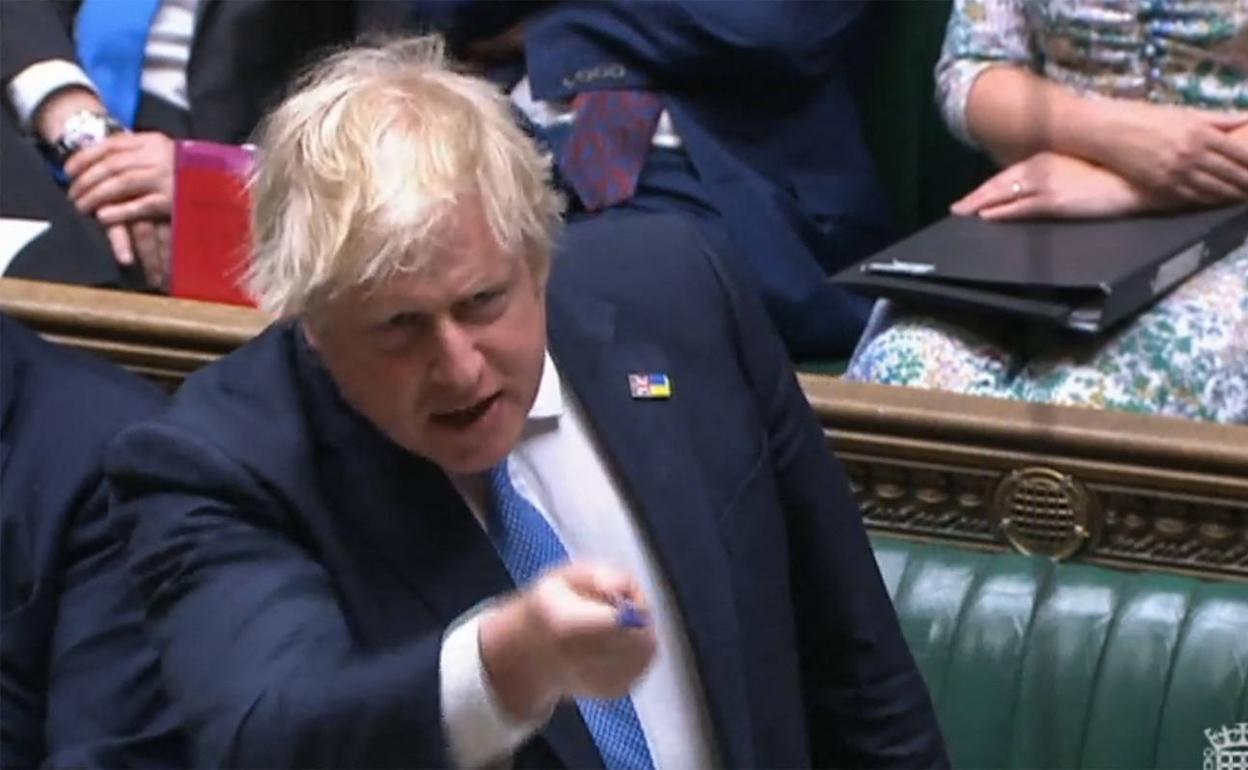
x=403, y=507
x=651, y=455
x=409, y=513
x=205, y=11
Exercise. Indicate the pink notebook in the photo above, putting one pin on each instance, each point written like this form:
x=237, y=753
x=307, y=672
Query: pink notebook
x=211, y=222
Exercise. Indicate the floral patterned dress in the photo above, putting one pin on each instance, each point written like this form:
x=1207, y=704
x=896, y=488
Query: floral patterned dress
x=1185, y=356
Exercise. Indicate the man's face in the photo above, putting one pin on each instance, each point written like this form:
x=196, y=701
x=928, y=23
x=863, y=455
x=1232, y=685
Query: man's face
x=445, y=362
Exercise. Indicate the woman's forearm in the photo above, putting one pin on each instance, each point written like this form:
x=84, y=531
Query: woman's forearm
x=1014, y=114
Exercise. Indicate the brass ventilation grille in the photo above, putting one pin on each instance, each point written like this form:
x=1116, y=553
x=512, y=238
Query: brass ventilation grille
x=1045, y=512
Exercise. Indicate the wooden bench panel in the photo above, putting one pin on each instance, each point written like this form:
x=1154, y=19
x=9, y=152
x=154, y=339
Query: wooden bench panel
x=159, y=337
x=1155, y=492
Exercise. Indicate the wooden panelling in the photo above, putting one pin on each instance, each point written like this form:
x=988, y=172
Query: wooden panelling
x=1155, y=492
x=157, y=336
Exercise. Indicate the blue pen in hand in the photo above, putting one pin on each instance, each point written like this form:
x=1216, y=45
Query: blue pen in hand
x=631, y=617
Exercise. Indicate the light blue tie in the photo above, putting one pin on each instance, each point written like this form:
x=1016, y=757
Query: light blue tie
x=111, y=38
x=528, y=547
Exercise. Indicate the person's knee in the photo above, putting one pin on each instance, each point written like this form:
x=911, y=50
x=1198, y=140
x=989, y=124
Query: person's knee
x=926, y=353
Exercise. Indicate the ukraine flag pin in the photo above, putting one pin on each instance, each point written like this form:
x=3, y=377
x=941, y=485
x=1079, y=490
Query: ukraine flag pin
x=649, y=386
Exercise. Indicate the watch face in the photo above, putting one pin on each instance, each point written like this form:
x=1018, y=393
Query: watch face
x=83, y=129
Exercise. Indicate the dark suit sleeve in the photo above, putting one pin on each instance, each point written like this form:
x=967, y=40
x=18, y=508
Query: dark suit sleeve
x=866, y=704
x=79, y=682
x=683, y=44
x=105, y=707
x=257, y=652
x=32, y=31
x=467, y=21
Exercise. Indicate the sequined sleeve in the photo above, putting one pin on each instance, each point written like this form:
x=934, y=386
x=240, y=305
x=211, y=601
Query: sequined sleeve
x=981, y=34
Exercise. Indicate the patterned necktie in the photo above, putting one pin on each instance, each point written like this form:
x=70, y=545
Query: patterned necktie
x=610, y=139
x=528, y=547
x=111, y=38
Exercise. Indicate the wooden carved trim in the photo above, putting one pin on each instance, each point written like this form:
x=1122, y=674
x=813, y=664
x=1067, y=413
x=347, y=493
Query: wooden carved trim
x=909, y=414
x=1124, y=490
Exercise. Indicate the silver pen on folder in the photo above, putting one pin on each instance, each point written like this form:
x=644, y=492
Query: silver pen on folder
x=899, y=267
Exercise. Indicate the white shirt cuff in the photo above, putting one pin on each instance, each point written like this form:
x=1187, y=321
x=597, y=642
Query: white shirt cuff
x=478, y=731
x=28, y=88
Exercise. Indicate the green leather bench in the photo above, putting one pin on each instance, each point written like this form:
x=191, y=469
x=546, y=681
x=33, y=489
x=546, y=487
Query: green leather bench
x=1033, y=664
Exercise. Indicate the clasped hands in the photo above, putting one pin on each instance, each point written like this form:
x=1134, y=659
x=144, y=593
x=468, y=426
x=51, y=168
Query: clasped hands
x=126, y=182
x=563, y=637
x=1145, y=157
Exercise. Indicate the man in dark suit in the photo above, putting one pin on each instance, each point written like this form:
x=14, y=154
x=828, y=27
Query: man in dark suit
x=758, y=139
x=209, y=70
x=79, y=683
x=460, y=508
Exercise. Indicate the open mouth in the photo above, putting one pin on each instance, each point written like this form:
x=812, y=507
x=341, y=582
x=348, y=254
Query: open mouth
x=462, y=418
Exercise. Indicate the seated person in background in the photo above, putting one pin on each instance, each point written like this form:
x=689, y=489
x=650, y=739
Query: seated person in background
x=87, y=73
x=1095, y=110
x=738, y=114
x=449, y=512
x=79, y=682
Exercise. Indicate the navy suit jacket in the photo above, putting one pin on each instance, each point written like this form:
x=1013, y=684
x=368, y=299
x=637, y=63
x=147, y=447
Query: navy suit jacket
x=300, y=569
x=79, y=684
x=243, y=52
x=760, y=93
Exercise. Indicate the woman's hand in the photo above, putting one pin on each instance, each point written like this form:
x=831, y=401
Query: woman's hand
x=1052, y=186
x=1181, y=155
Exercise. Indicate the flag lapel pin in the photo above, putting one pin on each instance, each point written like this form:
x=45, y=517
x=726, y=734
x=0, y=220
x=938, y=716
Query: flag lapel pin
x=649, y=386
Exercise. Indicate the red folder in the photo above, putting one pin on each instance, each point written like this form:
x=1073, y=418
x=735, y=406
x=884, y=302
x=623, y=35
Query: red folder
x=211, y=223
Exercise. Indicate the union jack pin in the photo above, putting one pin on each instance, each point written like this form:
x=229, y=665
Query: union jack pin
x=649, y=386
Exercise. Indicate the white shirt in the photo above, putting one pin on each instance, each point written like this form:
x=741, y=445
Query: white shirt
x=165, y=61
x=560, y=468
x=168, y=52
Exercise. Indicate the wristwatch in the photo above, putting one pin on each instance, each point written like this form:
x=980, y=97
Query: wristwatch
x=82, y=129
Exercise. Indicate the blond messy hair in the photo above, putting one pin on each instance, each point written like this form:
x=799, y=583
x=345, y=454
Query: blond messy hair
x=360, y=170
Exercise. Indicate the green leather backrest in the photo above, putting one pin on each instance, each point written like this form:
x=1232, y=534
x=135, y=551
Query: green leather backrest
x=1037, y=665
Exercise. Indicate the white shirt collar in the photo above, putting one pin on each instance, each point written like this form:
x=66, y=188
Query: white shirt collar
x=549, y=400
